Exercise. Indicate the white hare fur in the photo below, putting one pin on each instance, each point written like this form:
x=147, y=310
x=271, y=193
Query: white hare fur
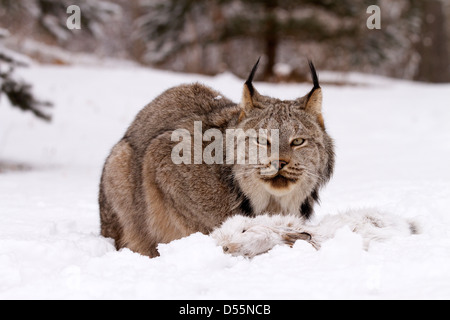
x=245, y=236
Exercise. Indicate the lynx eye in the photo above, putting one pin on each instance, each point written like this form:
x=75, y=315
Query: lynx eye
x=263, y=141
x=298, y=142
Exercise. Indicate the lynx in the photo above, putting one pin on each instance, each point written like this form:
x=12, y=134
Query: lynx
x=146, y=199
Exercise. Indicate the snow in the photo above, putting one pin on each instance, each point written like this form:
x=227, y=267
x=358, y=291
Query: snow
x=282, y=69
x=393, y=154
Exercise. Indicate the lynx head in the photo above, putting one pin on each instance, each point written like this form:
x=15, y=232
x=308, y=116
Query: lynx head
x=300, y=154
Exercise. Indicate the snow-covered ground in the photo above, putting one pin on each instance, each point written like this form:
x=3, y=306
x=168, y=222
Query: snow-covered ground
x=393, y=154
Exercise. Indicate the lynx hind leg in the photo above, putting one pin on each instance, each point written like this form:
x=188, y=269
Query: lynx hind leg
x=116, y=193
x=110, y=226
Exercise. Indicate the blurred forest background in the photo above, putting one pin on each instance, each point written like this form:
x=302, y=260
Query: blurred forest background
x=213, y=36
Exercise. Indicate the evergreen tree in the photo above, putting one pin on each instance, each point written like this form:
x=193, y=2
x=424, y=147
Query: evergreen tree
x=50, y=16
x=167, y=29
x=18, y=92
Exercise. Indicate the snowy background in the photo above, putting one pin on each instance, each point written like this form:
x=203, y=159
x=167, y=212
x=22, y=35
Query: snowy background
x=393, y=154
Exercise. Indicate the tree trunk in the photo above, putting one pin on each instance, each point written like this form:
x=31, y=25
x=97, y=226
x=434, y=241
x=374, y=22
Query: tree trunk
x=433, y=48
x=271, y=39
x=271, y=53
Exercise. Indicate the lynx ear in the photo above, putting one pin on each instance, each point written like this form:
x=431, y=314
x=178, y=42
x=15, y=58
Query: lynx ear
x=250, y=93
x=314, y=99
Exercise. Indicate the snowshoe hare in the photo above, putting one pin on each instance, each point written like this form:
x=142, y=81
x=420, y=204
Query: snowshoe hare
x=245, y=236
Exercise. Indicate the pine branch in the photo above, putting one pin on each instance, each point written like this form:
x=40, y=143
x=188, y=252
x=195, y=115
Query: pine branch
x=19, y=93
x=20, y=96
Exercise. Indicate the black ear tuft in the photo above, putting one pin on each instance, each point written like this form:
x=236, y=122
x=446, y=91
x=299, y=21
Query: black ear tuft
x=249, y=82
x=314, y=76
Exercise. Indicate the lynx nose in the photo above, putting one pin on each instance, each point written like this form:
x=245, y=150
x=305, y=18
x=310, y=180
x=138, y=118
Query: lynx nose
x=279, y=164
